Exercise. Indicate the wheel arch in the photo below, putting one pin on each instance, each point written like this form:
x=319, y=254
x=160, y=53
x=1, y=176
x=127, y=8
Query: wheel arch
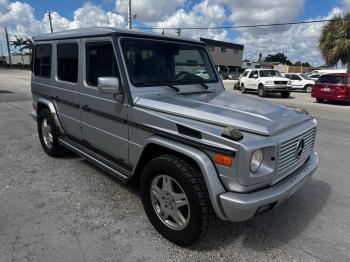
x=157, y=146
x=49, y=105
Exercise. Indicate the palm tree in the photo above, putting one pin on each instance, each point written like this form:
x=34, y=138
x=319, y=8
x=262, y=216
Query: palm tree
x=335, y=41
x=18, y=43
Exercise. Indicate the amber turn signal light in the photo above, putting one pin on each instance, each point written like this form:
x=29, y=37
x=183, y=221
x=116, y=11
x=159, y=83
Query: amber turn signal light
x=223, y=160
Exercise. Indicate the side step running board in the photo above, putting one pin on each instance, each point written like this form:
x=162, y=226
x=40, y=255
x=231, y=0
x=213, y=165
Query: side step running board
x=95, y=158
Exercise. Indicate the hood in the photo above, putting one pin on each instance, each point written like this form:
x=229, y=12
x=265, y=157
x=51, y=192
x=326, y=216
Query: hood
x=227, y=109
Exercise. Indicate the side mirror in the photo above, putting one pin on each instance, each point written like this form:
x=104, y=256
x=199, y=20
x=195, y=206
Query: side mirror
x=109, y=85
x=255, y=76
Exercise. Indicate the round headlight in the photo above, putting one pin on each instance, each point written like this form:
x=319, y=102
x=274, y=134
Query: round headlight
x=256, y=160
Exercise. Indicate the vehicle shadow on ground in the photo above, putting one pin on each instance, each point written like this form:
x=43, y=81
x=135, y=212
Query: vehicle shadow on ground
x=271, y=229
x=335, y=103
x=270, y=95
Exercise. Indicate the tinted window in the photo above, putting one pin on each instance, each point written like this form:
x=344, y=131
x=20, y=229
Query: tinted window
x=67, y=62
x=100, y=61
x=269, y=73
x=154, y=63
x=42, y=60
x=295, y=77
x=288, y=76
x=329, y=79
x=253, y=73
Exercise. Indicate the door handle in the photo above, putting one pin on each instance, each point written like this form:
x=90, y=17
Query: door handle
x=86, y=108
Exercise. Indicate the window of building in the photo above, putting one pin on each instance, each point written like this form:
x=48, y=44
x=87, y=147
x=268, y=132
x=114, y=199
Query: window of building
x=67, y=62
x=100, y=61
x=235, y=51
x=42, y=60
x=223, y=49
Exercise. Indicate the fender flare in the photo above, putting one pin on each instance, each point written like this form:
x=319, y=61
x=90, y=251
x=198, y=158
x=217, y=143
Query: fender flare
x=51, y=106
x=211, y=178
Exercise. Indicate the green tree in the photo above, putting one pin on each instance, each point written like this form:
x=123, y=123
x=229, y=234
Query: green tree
x=335, y=41
x=18, y=43
x=279, y=57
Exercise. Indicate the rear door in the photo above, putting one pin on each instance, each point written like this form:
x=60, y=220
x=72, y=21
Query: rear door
x=104, y=120
x=66, y=84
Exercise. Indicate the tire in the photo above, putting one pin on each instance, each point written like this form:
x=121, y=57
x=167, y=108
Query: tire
x=285, y=94
x=319, y=100
x=243, y=89
x=261, y=91
x=308, y=88
x=197, y=213
x=49, y=134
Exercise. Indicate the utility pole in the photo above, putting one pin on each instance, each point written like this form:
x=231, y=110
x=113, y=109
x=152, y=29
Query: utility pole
x=49, y=17
x=178, y=31
x=129, y=14
x=8, y=46
x=2, y=51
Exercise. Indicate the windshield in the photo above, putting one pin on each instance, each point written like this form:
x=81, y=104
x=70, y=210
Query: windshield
x=305, y=77
x=269, y=73
x=151, y=63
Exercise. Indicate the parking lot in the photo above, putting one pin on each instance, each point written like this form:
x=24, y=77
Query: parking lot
x=68, y=210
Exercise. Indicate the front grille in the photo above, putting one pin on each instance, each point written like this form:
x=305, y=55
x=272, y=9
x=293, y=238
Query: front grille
x=280, y=82
x=288, y=155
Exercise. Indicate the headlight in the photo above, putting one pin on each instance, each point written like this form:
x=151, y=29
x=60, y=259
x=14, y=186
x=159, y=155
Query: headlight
x=269, y=83
x=256, y=160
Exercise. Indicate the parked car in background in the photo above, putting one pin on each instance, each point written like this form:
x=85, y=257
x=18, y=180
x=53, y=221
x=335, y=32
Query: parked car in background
x=314, y=76
x=332, y=87
x=300, y=81
x=265, y=81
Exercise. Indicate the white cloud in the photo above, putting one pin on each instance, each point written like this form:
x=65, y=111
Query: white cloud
x=346, y=4
x=251, y=12
x=204, y=14
x=299, y=42
x=150, y=10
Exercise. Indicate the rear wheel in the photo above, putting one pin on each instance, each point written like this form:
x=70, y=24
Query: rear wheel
x=243, y=89
x=319, y=100
x=49, y=134
x=308, y=88
x=175, y=199
x=261, y=91
x=285, y=94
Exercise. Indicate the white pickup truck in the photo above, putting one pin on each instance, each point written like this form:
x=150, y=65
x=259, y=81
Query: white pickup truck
x=265, y=81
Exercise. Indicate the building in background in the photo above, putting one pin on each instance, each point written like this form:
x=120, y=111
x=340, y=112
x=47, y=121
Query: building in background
x=227, y=56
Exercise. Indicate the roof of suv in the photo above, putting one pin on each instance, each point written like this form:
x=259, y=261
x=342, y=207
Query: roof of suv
x=105, y=31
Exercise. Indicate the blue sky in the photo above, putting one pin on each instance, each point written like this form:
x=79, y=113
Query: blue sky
x=25, y=18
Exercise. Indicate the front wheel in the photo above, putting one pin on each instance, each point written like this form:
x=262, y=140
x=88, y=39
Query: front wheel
x=175, y=199
x=261, y=91
x=285, y=94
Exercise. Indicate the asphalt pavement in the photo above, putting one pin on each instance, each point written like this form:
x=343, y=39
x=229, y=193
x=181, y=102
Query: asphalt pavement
x=65, y=209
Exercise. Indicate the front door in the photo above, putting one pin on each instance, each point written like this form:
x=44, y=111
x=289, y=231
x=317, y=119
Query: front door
x=104, y=120
x=253, y=81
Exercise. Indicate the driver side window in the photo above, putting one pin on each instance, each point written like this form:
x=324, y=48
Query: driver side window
x=253, y=73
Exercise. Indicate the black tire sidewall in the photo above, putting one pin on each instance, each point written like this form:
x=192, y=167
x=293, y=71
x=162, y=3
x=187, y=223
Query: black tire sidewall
x=261, y=91
x=193, y=230
x=56, y=149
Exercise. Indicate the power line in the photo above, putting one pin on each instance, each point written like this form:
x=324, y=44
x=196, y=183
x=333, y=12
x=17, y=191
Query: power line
x=246, y=26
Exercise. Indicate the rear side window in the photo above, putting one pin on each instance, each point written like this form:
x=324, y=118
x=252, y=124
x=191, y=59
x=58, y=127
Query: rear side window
x=330, y=79
x=67, y=62
x=100, y=61
x=42, y=60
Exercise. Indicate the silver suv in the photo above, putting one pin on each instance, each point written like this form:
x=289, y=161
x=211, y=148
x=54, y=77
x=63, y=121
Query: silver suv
x=133, y=104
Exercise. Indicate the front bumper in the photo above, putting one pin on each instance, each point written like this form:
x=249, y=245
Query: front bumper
x=240, y=207
x=277, y=89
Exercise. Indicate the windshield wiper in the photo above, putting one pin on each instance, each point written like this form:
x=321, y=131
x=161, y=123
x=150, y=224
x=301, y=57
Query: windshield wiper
x=204, y=85
x=159, y=84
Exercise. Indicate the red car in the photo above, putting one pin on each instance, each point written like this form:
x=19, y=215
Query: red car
x=332, y=87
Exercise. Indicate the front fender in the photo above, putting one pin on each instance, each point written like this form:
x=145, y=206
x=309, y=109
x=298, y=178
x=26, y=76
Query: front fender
x=212, y=181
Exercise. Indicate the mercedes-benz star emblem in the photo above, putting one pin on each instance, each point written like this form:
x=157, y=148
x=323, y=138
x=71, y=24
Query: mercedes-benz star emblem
x=300, y=147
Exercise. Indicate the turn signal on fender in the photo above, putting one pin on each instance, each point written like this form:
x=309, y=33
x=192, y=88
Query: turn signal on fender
x=223, y=160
